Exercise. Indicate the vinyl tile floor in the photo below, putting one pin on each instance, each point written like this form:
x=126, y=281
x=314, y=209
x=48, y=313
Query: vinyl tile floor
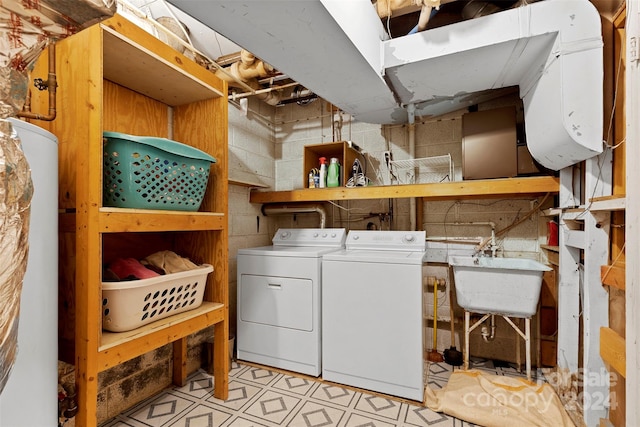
x=262, y=397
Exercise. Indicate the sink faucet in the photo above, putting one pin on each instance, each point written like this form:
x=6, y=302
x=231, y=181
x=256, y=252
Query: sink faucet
x=493, y=247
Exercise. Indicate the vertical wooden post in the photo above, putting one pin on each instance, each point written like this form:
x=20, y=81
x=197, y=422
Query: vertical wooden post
x=598, y=178
x=568, y=282
x=180, y=362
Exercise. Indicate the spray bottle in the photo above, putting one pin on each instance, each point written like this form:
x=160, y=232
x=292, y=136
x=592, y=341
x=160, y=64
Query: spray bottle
x=323, y=172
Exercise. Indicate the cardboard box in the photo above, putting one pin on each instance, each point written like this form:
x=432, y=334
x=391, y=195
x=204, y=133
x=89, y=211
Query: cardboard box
x=345, y=154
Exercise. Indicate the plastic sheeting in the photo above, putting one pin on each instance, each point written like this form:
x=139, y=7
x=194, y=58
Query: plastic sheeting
x=498, y=401
x=25, y=30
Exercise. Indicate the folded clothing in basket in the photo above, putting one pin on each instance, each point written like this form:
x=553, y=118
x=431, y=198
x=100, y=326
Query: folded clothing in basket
x=128, y=269
x=168, y=262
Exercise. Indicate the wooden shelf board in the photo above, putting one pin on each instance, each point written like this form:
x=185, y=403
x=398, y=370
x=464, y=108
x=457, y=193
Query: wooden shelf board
x=574, y=214
x=613, y=275
x=137, y=60
x=551, y=248
x=118, y=347
x=552, y=212
x=118, y=220
x=612, y=350
x=608, y=203
x=507, y=187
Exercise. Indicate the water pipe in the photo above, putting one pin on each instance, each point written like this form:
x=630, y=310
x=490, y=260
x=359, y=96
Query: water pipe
x=486, y=335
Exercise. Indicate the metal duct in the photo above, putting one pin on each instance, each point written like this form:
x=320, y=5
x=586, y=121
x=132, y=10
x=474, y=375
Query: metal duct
x=282, y=209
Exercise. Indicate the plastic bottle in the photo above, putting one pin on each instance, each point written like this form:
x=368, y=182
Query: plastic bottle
x=323, y=172
x=333, y=173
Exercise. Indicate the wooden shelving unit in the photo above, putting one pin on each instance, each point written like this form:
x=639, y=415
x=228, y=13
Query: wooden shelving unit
x=115, y=76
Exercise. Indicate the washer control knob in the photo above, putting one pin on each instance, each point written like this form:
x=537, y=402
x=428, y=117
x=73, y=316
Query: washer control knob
x=333, y=235
x=285, y=235
x=409, y=238
x=315, y=234
x=324, y=234
x=356, y=237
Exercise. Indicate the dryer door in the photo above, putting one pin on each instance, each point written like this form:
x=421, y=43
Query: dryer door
x=277, y=301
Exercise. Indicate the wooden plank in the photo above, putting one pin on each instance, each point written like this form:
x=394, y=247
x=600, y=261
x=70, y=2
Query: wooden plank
x=553, y=254
x=605, y=423
x=507, y=187
x=612, y=350
x=613, y=275
x=598, y=178
x=125, y=44
x=552, y=212
x=548, y=351
x=80, y=160
x=120, y=347
x=615, y=202
x=632, y=231
x=221, y=359
x=568, y=284
x=115, y=220
x=180, y=362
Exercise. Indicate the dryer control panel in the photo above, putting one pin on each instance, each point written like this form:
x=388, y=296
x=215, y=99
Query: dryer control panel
x=330, y=237
x=374, y=240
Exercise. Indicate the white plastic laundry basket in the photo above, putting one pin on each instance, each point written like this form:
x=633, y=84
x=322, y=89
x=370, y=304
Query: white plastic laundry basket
x=131, y=304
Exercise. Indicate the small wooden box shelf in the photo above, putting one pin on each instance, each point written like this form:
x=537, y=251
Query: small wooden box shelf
x=115, y=76
x=341, y=150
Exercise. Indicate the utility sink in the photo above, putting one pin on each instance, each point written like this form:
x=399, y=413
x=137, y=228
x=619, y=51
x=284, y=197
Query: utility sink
x=502, y=286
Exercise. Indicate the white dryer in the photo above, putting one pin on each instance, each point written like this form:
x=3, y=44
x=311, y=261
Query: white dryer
x=279, y=299
x=372, y=313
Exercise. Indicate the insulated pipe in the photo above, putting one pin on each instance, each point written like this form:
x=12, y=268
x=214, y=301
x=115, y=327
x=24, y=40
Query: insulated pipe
x=425, y=15
x=247, y=71
x=278, y=209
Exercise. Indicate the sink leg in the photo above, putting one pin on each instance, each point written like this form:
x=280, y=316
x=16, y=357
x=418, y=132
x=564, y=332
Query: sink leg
x=527, y=326
x=467, y=317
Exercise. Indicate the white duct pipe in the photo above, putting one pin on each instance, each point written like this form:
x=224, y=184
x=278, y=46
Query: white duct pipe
x=277, y=209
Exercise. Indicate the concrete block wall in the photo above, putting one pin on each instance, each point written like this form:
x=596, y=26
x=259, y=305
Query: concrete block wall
x=251, y=143
x=252, y=154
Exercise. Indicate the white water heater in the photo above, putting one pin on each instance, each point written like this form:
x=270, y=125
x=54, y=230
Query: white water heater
x=30, y=397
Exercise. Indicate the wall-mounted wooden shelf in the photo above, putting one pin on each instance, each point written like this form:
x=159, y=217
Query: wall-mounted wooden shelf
x=485, y=188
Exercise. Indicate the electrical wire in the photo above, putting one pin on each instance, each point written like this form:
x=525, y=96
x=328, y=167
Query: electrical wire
x=182, y=27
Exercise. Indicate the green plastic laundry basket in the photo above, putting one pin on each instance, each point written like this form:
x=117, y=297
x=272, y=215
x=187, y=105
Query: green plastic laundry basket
x=145, y=172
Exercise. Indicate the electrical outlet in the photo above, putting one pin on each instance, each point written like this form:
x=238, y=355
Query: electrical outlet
x=388, y=158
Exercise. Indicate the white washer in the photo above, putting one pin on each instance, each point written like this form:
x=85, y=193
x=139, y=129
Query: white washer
x=372, y=313
x=279, y=299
